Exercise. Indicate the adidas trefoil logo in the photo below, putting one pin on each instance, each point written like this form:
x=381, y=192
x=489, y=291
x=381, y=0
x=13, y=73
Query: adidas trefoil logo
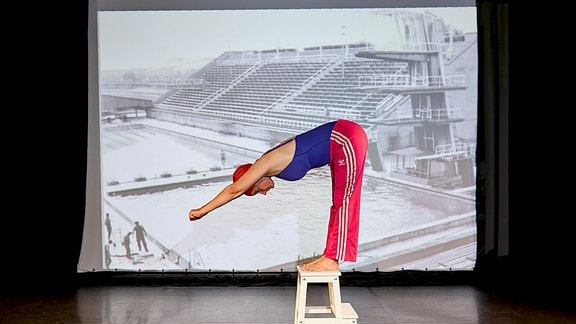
x=341, y=162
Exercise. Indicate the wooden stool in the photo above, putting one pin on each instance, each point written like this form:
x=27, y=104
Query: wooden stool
x=341, y=312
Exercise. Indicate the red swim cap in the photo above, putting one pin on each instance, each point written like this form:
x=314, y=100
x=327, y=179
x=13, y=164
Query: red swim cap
x=238, y=174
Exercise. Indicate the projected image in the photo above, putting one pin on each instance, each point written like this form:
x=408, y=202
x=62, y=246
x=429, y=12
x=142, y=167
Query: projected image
x=187, y=96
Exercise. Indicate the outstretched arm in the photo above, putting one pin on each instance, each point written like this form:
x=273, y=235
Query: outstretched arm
x=227, y=194
x=232, y=191
x=268, y=164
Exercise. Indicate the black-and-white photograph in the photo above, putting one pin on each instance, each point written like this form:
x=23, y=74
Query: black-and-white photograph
x=186, y=97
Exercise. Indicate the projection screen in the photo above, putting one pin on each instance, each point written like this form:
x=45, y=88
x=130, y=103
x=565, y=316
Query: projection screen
x=181, y=94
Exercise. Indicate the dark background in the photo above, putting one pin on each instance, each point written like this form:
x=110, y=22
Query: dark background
x=523, y=153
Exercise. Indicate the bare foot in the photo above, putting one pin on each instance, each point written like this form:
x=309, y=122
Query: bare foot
x=321, y=264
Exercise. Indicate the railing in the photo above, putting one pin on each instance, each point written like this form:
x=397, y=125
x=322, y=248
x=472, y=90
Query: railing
x=455, y=151
x=406, y=81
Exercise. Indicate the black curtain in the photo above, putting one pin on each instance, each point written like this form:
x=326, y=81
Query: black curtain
x=46, y=119
x=492, y=184
x=525, y=236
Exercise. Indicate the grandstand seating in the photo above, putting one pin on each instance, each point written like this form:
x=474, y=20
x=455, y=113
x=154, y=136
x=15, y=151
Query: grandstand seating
x=297, y=89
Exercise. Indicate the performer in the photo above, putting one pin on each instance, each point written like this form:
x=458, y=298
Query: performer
x=341, y=144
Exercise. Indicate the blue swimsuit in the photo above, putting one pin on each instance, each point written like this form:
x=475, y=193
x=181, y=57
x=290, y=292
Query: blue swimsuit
x=312, y=151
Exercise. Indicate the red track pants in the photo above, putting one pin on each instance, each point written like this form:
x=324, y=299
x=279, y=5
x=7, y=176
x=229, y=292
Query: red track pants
x=348, y=147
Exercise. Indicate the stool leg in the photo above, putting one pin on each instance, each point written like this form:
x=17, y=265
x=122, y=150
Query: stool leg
x=335, y=297
x=301, y=291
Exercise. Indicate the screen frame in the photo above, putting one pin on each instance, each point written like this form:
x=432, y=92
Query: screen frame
x=93, y=209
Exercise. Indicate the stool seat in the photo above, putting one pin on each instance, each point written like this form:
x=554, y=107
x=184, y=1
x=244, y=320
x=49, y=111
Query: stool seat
x=339, y=312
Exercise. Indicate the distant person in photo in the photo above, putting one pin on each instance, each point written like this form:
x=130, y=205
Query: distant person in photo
x=341, y=144
x=140, y=233
x=223, y=158
x=126, y=243
x=108, y=225
x=107, y=254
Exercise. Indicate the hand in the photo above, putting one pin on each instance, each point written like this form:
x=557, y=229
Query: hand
x=195, y=214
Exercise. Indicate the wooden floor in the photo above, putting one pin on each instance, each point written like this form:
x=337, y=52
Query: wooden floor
x=272, y=305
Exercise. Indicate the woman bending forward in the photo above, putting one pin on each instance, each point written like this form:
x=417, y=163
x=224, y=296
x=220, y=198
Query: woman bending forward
x=341, y=144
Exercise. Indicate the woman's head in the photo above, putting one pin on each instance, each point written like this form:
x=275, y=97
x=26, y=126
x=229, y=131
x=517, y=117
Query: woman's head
x=238, y=174
x=261, y=186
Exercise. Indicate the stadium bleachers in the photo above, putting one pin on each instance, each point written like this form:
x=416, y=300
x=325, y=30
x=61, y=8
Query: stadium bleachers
x=298, y=89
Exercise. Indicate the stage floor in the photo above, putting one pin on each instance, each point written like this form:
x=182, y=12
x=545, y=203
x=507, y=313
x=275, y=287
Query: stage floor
x=272, y=305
